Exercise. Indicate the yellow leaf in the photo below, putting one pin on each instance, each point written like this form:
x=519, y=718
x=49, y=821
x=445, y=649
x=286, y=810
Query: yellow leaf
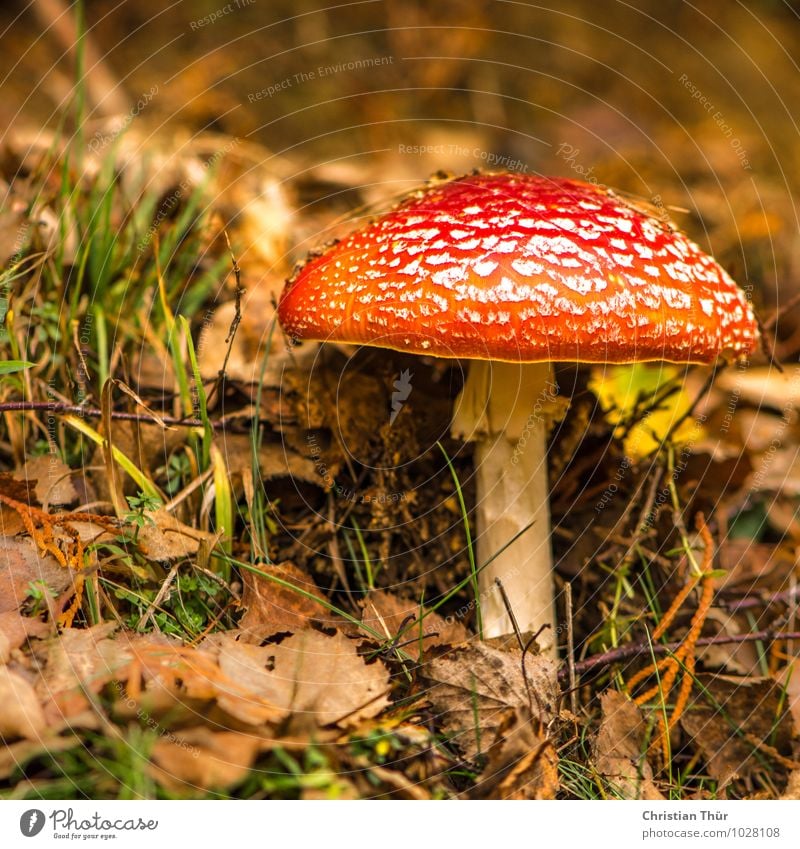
x=626, y=392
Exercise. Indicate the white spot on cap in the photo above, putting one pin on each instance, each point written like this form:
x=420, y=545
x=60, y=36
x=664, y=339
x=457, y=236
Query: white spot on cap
x=527, y=267
x=483, y=268
x=448, y=276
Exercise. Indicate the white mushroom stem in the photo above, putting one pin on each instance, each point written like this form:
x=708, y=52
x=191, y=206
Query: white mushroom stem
x=505, y=408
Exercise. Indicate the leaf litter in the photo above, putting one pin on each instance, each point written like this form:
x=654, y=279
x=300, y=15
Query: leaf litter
x=342, y=656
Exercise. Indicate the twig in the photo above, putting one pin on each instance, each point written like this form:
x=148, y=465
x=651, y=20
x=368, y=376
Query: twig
x=156, y=602
x=573, y=688
x=510, y=612
x=235, y=322
x=769, y=323
x=632, y=650
x=718, y=367
x=748, y=602
x=94, y=413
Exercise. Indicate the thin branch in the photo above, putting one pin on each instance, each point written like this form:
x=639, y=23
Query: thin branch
x=748, y=602
x=94, y=413
x=600, y=661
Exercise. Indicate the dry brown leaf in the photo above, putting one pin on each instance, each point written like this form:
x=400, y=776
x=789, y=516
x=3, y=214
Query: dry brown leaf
x=20, y=565
x=522, y=762
x=272, y=608
x=320, y=680
x=52, y=478
x=247, y=688
x=202, y=759
x=732, y=658
x=15, y=755
x=385, y=613
x=21, y=714
x=472, y=688
x=792, y=791
x=79, y=658
x=790, y=681
x=752, y=565
x=752, y=706
x=620, y=750
x=167, y=538
x=763, y=386
x=275, y=460
x=15, y=629
x=778, y=471
x=11, y=523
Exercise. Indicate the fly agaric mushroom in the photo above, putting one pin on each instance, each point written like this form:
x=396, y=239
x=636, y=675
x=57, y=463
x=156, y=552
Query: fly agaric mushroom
x=514, y=272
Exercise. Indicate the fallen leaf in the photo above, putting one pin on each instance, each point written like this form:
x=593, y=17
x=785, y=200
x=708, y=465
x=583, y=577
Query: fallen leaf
x=792, y=791
x=14, y=756
x=472, y=688
x=248, y=690
x=385, y=613
x=21, y=714
x=275, y=460
x=79, y=658
x=522, y=763
x=52, y=479
x=790, y=680
x=732, y=658
x=625, y=389
x=620, y=750
x=272, y=608
x=749, y=565
x=320, y=680
x=717, y=723
x=15, y=629
x=21, y=564
x=167, y=538
x=763, y=386
x=202, y=759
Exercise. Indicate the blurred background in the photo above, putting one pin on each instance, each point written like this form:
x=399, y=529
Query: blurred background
x=692, y=106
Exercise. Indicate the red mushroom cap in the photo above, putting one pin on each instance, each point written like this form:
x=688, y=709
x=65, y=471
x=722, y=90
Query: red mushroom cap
x=525, y=269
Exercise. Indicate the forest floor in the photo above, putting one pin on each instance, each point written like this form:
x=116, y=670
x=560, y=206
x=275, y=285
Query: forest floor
x=227, y=571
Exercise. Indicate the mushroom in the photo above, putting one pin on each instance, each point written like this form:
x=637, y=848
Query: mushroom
x=513, y=272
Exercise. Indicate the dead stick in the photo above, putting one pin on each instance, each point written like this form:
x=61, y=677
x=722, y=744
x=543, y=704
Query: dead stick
x=94, y=413
x=573, y=688
x=600, y=661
